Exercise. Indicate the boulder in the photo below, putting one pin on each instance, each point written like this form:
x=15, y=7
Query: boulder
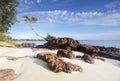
x=88, y=58
x=88, y=49
x=62, y=43
x=28, y=45
x=48, y=57
x=108, y=52
x=68, y=68
x=65, y=53
x=58, y=65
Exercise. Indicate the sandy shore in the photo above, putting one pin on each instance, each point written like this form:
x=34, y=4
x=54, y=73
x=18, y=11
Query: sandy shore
x=33, y=69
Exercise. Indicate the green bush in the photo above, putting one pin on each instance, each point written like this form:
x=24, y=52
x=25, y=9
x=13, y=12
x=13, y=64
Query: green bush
x=49, y=37
x=4, y=37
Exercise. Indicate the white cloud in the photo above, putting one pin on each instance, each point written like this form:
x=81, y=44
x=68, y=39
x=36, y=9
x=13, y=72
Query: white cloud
x=38, y=1
x=114, y=4
x=31, y=1
x=89, y=14
x=110, y=18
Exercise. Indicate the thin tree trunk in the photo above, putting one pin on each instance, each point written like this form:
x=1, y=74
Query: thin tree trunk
x=38, y=34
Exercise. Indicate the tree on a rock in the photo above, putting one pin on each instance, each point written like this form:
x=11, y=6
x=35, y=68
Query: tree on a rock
x=34, y=20
x=50, y=37
x=7, y=14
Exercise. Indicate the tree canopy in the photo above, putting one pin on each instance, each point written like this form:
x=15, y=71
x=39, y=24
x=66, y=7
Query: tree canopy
x=32, y=19
x=49, y=37
x=7, y=14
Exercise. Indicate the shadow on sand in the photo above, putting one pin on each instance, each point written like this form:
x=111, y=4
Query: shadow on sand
x=41, y=63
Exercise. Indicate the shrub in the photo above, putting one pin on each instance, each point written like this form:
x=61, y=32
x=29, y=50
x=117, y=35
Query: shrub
x=4, y=37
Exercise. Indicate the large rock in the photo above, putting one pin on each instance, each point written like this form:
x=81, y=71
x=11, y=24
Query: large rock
x=28, y=45
x=88, y=49
x=108, y=52
x=62, y=43
x=65, y=53
x=48, y=57
x=88, y=58
x=58, y=65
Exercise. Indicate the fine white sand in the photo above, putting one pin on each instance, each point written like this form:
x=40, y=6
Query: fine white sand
x=33, y=69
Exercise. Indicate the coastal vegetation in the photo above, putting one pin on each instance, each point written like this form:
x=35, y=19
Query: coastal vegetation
x=8, y=13
x=5, y=37
x=48, y=37
x=33, y=20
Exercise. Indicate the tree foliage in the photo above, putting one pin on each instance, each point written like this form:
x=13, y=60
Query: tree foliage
x=7, y=14
x=49, y=37
x=32, y=20
x=4, y=37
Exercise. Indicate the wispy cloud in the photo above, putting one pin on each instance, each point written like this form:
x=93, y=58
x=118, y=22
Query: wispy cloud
x=38, y=1
x=60, y=16
x=114, y=4
x=110, y=18
x=31, y=1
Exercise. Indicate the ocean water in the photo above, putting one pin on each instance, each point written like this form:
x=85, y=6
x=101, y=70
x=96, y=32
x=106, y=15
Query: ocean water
x=106, y=43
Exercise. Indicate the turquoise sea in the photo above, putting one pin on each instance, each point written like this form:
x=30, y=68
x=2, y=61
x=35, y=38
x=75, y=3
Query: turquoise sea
x=106, y=43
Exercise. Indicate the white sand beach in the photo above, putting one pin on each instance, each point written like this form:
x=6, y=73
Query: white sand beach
x=30, y=68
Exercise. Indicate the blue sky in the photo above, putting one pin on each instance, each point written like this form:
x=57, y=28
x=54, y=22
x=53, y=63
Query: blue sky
x=79, y=19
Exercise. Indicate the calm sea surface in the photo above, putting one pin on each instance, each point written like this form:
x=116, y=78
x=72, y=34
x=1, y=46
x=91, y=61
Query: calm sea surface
x=105, y=43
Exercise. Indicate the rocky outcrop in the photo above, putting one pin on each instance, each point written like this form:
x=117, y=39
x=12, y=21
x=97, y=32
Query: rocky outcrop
x=108, y=52
x=40, y=46
x=71, y=44
x=62, y=43
x=58, y=65
x=48, y=57
x=7, y=74
x=27, y=45
x=65, y=53
x=88, y=59
x=88, y=49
